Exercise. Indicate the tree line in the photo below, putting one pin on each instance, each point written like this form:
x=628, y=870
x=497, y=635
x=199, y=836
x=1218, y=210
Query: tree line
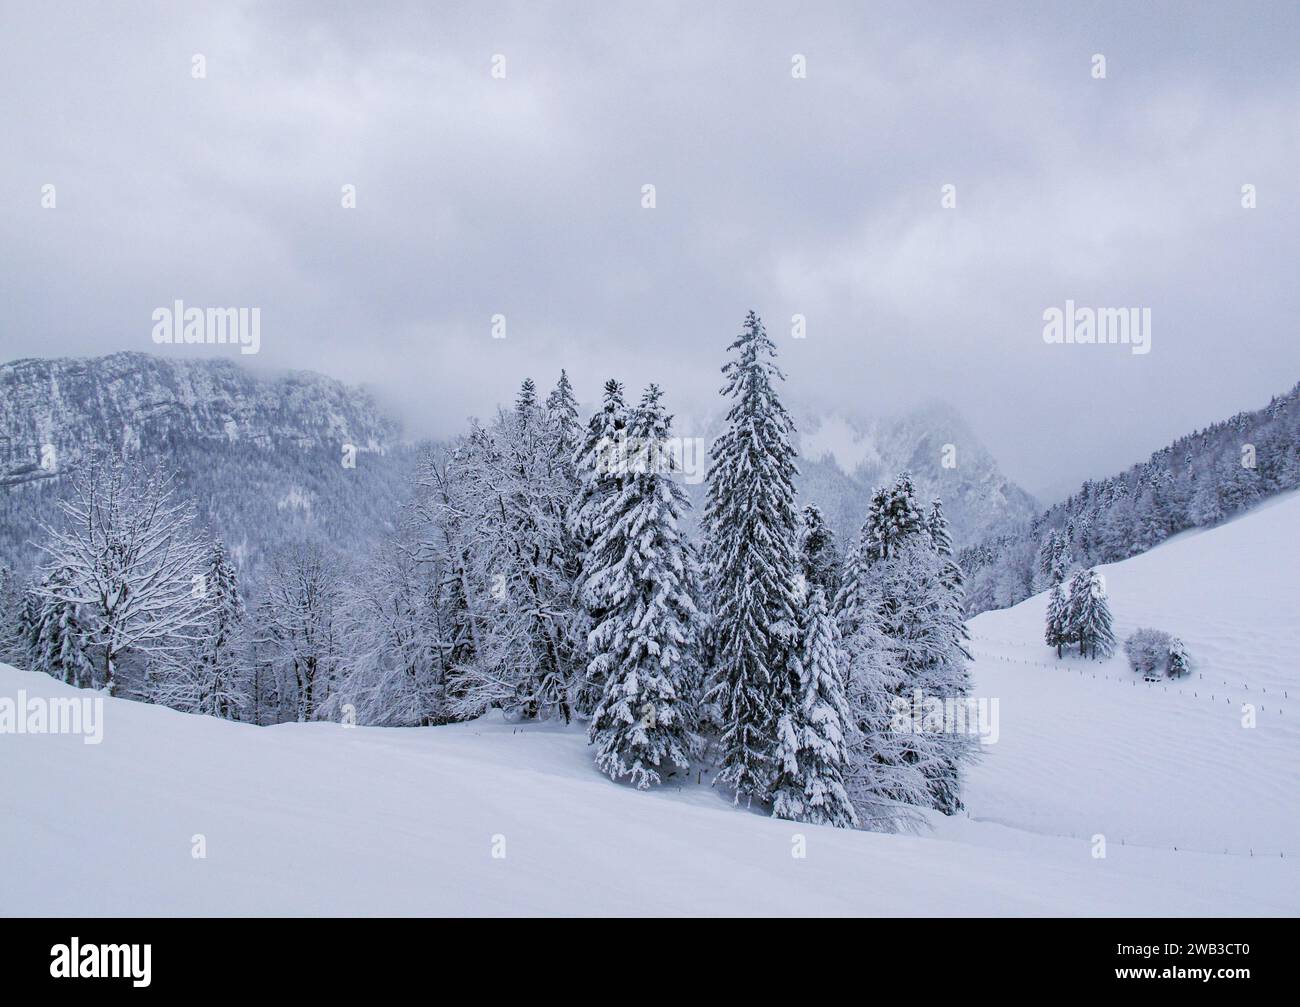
x=541, y=569
x=1197, y=481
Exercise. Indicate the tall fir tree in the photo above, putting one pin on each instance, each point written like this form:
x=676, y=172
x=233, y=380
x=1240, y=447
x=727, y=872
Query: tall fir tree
x=598, y=478
x=1056, y=631
x=751, y=527
x=15, y=632
x=564, y=433
x=220, y=656
x=813, y=736
x=526, y=400
x=642, y=649
x=953, y=578
x=562, y=412
x=1054, y=558
x=1089, y=619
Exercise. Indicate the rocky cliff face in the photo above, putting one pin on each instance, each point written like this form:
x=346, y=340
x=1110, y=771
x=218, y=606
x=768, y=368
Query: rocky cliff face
x=843, y=458
x=52, y=411
x=262, y=457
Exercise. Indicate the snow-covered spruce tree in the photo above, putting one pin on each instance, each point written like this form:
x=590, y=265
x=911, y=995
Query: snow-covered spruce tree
x=893, y=518
x=131, y=552
x=819, y=560
x=886, y=773
x=562, y=415
x=951, y=576
x=218, y=669
x=1056, y=630
x=526, y=400
x=1053, y=559
x=1180, y=662
x=939, y=533
x=20, y=633
x=15, y=629
x=564, y=434
x=57, y=638
x=599, y=476
x=1206, y=505
x=1154, y=508
x=813, y=736
x=207, y=675
x=643, y=645
x=1089, y=620
x=751, y=527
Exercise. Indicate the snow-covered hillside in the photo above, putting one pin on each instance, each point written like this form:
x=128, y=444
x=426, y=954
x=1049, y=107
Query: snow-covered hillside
x=1088, y=748
x=320, y=818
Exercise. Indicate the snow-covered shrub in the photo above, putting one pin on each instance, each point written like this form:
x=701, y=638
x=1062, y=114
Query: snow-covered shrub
x=1156, y=654
x=1148, y=652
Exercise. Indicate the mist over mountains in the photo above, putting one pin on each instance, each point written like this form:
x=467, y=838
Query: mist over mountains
x=843, y=459
x=264, y=456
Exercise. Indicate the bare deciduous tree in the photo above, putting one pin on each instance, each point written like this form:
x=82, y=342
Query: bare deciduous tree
x=131, y=554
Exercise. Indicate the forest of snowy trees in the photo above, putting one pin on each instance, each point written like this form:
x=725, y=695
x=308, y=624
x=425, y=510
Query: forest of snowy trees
x=542, y=568
x=1195, y=482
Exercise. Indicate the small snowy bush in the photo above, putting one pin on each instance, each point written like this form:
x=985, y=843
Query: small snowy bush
x=1156, y=654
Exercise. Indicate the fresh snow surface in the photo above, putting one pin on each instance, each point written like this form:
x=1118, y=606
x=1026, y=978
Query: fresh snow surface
x=322, y=819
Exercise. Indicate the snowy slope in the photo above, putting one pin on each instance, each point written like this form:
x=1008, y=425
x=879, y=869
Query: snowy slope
x=1087, y=748
x=319, y=818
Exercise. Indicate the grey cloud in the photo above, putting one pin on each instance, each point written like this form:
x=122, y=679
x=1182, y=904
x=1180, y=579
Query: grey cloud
x=818, y=197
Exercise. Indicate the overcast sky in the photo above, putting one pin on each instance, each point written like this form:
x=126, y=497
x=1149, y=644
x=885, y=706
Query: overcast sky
x=820, y=197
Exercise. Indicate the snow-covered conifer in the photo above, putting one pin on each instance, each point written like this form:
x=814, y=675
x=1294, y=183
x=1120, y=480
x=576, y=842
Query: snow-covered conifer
x=526, y=400
x=819, y=560
x=1056, y=631
x=643, y=644
x=751, y=526
x=58, y=638
x=894, y=517
x=599, y=476
x=220, y=655
x=562, y=413
x=813, y=736
x=1180, y=663
x=1089, y=621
